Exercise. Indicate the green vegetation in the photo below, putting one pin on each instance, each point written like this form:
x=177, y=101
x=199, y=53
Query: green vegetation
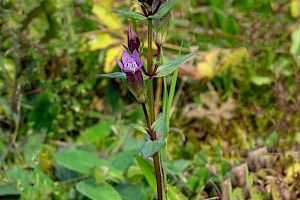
x=234, y=129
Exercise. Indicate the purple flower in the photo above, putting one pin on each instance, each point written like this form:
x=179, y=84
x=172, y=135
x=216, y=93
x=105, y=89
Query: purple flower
x=131, y=66
x=130, y=63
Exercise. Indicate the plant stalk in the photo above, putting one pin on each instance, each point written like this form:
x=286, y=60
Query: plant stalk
x=156, y=160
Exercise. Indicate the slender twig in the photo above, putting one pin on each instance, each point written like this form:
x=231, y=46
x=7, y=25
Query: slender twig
x=159, y=83
x=150, y=70
x=156, y=159
x=146, y=116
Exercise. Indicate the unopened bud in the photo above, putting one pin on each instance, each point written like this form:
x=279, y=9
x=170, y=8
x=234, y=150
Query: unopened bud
x=161, y=27
x=133, y=40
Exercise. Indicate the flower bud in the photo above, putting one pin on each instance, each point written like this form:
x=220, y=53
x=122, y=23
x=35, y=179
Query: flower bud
x=161, y=27
x=133, y=40
x=131, y=66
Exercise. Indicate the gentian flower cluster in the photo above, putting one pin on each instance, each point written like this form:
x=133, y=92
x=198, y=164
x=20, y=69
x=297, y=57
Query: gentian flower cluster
x=131, y=65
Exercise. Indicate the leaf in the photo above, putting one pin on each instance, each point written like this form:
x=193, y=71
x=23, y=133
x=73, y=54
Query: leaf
x=164, y=9
x=261, y=80
x=32, y=149
x=110, y=62
x=131, y=15
x=83, y=162
x=160, y=118
x=8, y=189
x=175, y=194
x=168, y=68
x=114, y=75
x=148, y=171
x=295, y=44
x=123, y=160
x=97, y=132
x=151, y=147
x=138, y=127
x=93, y=191
x=79, y=161
x=106, y=17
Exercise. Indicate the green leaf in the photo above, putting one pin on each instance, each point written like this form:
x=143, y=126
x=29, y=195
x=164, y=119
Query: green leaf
x=9, y=189
x=164, y=9
x=168, y=68
x=138, y=127
x=114, y=75
x=32, y=149
x=148, y=171
x=123, y=160
x=160, y=118
x=261, y=80
x=151, y=147
x=131, y=15
x=295, y=44
x=175, y=194
x=84, y=162
x=97, y=132
x=93, y=191
x=79, y=161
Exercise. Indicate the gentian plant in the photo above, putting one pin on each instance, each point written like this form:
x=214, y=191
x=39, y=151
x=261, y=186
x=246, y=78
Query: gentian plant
x=139, y=80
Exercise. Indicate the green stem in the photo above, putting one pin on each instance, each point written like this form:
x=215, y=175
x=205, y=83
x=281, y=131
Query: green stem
x=156, y=160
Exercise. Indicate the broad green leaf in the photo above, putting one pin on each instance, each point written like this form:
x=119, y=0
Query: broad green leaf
x=84, y=162
x=79, y=161
x=168, y=68
x=261, y=80
x=295, y=43
x=114, y=75
x=106, y=17
x=136, y=191
x=164, y=9
x=175, y=194
x=124, y=159
x=97, y=132
x=131, y=15
x=93, y=191
x=138, y=127
x=151, y=147
x=8, y=189
x=148, y=171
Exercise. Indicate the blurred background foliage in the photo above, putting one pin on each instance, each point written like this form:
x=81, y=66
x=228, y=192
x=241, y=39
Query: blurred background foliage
x=235, y=129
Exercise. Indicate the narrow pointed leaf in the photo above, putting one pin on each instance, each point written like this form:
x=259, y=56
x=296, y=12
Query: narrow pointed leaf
x=169, y=67
x=138, y=127
x=148, y=171
x=164, y=9
x=157, y=122
x=131, y=15
x=114, y=75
